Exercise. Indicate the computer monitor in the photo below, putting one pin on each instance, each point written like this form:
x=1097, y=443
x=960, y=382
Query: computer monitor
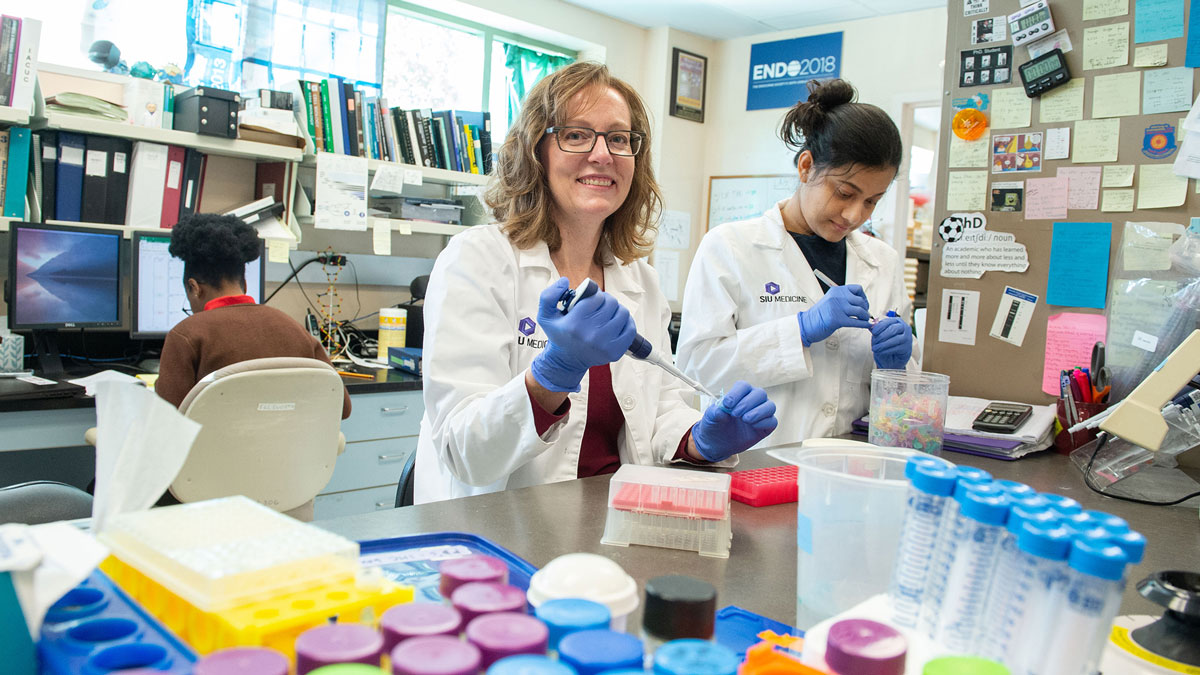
x=158, y=295
x=62, y=277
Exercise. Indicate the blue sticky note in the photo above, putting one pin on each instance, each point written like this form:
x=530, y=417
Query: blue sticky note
x=1079, y=265
x=1155, y=20
x=1192, y=60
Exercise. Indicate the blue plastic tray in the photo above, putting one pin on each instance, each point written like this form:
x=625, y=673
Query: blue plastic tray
x=95, y=628
x=738, y=628
x=413, y=560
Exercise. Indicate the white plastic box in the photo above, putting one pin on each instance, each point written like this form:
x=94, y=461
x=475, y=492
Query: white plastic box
x=669, y=508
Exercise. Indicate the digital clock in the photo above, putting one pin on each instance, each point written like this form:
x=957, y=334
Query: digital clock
x=1031, y=24
x=1044, y=73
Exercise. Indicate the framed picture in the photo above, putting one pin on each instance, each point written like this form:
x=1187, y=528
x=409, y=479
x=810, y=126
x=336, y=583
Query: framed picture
x=689, y=73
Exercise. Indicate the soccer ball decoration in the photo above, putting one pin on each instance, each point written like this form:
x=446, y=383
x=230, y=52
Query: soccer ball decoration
x=951, y=229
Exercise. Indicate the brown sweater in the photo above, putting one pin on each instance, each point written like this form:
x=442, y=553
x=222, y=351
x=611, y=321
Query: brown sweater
x=215, y=338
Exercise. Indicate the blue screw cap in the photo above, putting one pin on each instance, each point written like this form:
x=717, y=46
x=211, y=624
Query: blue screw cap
x=980, y=506
x=1019, y=514
x=591, y=652
x=1097, y=557
x=1016, y=489
x=1064, y=505
x=694, y=657
x=924, y=460
x=934, y=480
x=529, y=664
x=568, y=615
x=1133, y=543
x=1049, y=540
x=961, y=490
x=1108, y=521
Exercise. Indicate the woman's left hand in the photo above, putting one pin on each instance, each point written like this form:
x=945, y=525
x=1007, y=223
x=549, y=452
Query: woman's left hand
x=744, y=417
x=891, y=343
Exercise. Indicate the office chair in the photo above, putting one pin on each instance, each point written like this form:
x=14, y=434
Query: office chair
x=270, y=431
x=43, y=501
x=404, y=489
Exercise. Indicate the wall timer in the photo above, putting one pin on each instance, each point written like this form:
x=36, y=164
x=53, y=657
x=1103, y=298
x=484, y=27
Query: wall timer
x=1031, y=24
x=1044, y=73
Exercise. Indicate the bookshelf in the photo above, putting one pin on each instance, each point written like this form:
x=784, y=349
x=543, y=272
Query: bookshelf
x=9, y=115
x=212, y=145
x=428, y=174
x=401, y=224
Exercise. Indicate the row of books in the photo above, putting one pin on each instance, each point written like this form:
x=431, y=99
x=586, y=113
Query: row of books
x=19, y=40
x=340, y=119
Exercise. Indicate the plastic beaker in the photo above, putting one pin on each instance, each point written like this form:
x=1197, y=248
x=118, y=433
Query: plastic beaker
x=849, y=510
x=908, y=410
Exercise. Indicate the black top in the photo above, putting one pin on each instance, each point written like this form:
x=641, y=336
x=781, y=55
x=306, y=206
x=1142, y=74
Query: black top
x=822, y=255
x=678, y=606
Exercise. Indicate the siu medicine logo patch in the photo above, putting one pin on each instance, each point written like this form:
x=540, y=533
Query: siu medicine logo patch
x=526, y=327
x=773, y=295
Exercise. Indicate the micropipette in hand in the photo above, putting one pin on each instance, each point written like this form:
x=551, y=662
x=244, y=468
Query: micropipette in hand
x=641, y=347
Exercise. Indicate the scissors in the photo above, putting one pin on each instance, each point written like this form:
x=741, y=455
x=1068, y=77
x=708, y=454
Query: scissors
x=1101, y=377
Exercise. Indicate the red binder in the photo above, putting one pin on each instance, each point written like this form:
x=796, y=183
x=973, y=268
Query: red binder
x=172, y=190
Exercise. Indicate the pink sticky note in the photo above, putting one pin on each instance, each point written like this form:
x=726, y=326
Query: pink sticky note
x=1083, y=190
x=1046, y=198
x=1069, y=341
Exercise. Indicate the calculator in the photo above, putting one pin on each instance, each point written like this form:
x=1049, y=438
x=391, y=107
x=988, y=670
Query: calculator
x=1002, y=418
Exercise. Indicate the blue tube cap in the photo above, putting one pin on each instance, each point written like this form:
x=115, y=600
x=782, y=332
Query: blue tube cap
x=591, y=652
x=694, y=657
x=1133, y=543
x=1020, y=513
x=568, y=615
x=961, y=490
x=1016, y=489
x=984, y=507
x=1049, y=540
x=1097, y=557
x=529, y=664
x=913, y=462
x=1064, y=505
x=1108, y=521
x=974, y=475
x=934, y=480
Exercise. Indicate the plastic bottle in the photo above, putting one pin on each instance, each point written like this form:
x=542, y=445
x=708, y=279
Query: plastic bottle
x=591, y=652
x=480, y=597
x=971, y=571
x=1086, y=607
x=929, y=489
x=1032, y=600
x=865, y=647
x=502, y=634
x=435, y=654
x=418, y=619
x=569, y=615
x=243, y=661
x=467, y=569
x=993, y=635
x=529, y=664
x=1062, y=505
x=678, y=607
x=337, y=643
x=694, y=657
x=1016, y=489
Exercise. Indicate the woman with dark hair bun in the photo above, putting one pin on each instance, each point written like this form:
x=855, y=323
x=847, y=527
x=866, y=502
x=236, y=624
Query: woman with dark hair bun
x=755, y=308
x=225, y=326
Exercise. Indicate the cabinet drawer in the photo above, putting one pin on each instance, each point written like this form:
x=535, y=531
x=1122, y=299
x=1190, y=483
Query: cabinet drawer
x=386, y=415
x=354, y=502
x=370, y=463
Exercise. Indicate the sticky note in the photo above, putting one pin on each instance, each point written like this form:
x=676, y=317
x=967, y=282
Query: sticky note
x=1011, y=108
x=967, y=191
x=403, y=226
x=968, y=154
x=1104, y=9
x=277, y=250
x=1058, y=143
x=1078, y=275
x=1167, y=90
x=1116, y=95
x=381, y=236
x=1159, y=187
x=1096, y=141
x=1046, y=198
x=1117, y=175
x=1156, y=20
x=413, y=177
x=1063, y=104
x=1117, y=201
x=1069, y=340
x=1106, y=46
x=1083, y=189
x=1192, y=58
x=1150, y=56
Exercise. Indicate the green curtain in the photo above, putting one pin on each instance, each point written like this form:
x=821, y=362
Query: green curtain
x=525, y=68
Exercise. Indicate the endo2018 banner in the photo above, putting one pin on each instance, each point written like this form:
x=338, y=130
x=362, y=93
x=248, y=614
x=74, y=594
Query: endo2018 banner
x=780, y=70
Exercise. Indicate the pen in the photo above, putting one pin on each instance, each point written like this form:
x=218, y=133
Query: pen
x=346, y=373
x=832, y=284
x=1085, y=387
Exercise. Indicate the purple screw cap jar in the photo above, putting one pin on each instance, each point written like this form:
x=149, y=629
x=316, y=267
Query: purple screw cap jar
x=435, y=655
x=865, y=647
x=478, y=598
x=337, y=643
x=471, y=568
x=506, y=634
x=418, y=619
x=243, y=661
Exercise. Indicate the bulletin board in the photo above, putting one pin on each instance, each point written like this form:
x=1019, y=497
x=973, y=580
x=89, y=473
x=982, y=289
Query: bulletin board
x=1111, y=108
x=733, y=198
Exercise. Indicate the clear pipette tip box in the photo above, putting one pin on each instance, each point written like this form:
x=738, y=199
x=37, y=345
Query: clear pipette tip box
x=228, y=552
x=669, y=508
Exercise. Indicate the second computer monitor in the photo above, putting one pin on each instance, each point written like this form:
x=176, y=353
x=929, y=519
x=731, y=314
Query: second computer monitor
x=158, y=293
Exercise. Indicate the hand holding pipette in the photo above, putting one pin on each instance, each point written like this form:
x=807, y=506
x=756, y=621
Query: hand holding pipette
x=841, y=307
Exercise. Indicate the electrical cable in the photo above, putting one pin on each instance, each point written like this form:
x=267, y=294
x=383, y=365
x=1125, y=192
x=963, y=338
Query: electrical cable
x=1087, y=480
x=323, y=259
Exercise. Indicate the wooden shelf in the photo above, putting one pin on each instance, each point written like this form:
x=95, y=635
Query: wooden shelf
x=212, y=145
x=13, y=115
x=428, y=174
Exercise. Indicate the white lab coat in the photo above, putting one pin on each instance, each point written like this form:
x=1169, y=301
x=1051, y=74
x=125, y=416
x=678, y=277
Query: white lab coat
x=478, y=434
x=734, y=328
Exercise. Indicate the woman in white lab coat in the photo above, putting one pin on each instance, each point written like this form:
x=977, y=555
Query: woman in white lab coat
x=517, y=393
x=753, y=307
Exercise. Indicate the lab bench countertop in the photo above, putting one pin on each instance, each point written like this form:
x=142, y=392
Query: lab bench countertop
x=543, y=522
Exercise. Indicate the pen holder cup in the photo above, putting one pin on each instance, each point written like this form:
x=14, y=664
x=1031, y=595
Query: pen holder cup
x=1065, y=442
x=12, y=353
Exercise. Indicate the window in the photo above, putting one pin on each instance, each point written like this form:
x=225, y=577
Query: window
x=69, y=27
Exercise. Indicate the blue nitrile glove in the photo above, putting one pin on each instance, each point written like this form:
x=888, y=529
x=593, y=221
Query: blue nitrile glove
x=841, y=307
x=596, y=331
x=891, y=342
x=744, y=417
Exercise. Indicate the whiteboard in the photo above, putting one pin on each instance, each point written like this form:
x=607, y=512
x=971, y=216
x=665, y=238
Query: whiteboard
x=733, y=198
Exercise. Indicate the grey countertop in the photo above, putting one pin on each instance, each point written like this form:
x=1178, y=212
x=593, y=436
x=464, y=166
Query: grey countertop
x=543, y=522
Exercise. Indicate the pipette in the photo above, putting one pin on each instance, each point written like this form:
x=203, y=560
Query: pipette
x=832, y=284
x=641, y=347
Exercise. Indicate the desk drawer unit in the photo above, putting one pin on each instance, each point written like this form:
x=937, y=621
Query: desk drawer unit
x=354, y=502
x=385, y=415
x=370, y=464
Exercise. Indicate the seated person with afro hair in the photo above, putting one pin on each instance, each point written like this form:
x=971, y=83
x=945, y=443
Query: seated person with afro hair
x=226, y=326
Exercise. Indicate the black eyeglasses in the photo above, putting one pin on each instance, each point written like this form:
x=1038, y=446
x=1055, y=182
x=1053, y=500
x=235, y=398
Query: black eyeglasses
x=621, y=142
x=187, y=311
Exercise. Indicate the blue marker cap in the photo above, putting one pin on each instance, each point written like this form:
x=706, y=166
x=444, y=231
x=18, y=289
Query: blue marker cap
x=1097, y=557
x=990, y=488
x=1108, y=521
x=1049, y=540
x=591, y=652
x=1016, y=489
x=1133, y=543
x=983, y=507
x=1064, y=505
x=568, y=615
x=529, y=664
x=694, y=657
x=934, y=480
x=1019, y=514
x=924, y=460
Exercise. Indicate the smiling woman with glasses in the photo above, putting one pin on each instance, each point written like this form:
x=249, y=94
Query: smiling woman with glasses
x=517, y=393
